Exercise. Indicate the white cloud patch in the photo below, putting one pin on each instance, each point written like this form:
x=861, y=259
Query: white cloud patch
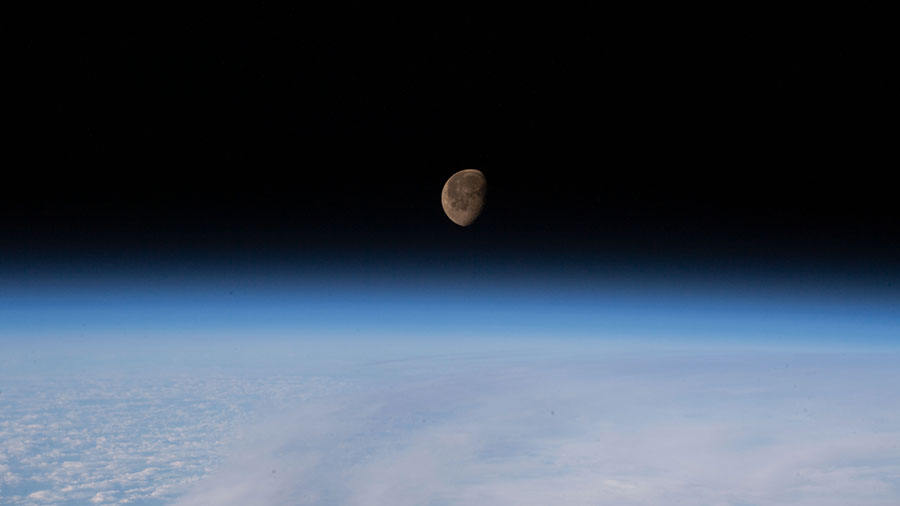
x=43, y=496
x=641, y=429
x=130, y=440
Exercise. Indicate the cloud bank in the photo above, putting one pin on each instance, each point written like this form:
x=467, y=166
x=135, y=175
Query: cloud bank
x=640, y=429
x=76, y=440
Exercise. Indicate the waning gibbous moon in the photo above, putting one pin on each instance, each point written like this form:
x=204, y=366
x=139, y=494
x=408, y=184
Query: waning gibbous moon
x=463, y=196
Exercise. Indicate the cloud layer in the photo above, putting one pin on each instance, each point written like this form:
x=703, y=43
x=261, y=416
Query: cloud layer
x=75, y=440
x=630, y=429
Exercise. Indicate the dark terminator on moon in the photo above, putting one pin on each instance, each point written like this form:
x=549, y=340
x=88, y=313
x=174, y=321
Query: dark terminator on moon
x=463, y=196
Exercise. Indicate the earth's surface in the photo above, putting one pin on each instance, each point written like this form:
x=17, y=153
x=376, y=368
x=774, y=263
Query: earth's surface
x=535, y=425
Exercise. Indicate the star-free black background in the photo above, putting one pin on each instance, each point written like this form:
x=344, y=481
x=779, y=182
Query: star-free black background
x=669, y=138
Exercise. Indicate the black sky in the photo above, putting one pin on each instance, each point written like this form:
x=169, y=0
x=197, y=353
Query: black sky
x=671, y=137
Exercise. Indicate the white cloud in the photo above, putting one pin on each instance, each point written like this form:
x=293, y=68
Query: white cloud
x=73, y=441
x=783, y=429
x=545, y=426
x=43, y=496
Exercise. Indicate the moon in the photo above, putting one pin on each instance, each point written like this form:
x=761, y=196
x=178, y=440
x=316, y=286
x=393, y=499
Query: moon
x=463, y=196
